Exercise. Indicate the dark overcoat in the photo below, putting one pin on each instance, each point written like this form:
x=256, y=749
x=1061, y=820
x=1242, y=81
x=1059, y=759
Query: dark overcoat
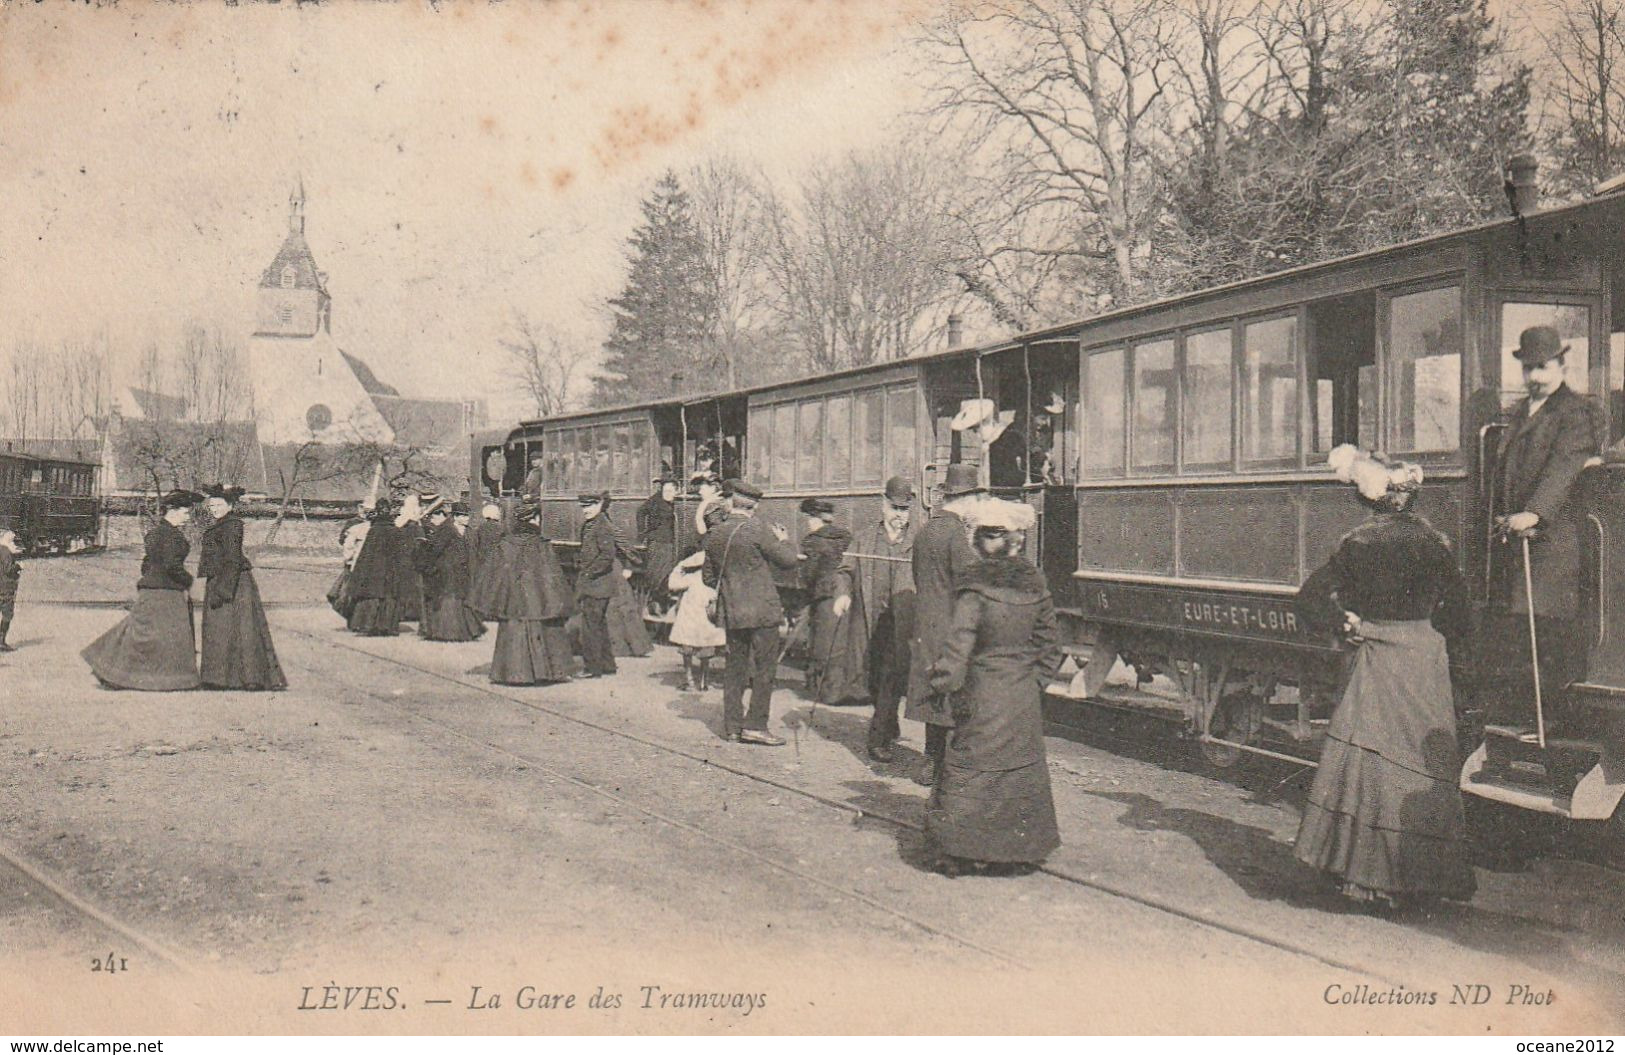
x=10, y=571
x=163, y=567
x=380, y=568
x=483, y=538
x=740, y=554
x=942, y=556
x=595, y=561
x=221, y=560
x=524, y=581
x=657, y=533
x=1541, y=456
x=442, y=560
x=882, y=593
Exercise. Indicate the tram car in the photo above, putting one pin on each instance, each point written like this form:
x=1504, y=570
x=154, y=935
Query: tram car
x=51, y=503
x=1175, y=453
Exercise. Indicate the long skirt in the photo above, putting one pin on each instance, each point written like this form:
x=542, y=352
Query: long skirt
x=448, y=619
x=627, y=634
x=1385, y=812
x=339, y=595
x=375, y=617
x=151, y=648
x=991, y=815
x=531, y=651
x=237, y=649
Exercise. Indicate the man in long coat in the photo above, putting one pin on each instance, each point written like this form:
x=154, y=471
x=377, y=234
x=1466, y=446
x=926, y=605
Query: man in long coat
x=875, y=594
x=1552, y=433
x=595, y=585
x=942, y=556
x=823, y=547
x=740, y=554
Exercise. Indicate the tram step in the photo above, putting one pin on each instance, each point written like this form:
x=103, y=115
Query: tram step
x=1514, y=756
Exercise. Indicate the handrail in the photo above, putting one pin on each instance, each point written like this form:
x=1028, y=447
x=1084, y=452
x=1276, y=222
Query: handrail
x=1602, y=578
x=1486, y=488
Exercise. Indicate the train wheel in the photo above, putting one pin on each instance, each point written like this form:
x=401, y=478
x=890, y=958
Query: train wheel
x=1236, y=718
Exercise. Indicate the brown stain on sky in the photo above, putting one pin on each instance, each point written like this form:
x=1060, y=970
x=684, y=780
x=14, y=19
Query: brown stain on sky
x=779, y=43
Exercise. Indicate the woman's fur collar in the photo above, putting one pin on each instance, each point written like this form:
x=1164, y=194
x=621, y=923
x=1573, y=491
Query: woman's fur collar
x=1005, y=575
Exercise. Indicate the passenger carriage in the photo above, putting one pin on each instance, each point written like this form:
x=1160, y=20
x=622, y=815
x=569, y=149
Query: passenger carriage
x=52, y=504
x=1175, y=453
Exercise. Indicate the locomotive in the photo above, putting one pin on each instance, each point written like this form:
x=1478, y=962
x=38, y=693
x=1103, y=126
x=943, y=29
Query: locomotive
x=1175, y=453
x=51, y=503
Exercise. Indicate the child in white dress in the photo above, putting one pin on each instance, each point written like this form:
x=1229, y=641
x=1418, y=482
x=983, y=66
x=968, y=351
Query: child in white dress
x=695, y=636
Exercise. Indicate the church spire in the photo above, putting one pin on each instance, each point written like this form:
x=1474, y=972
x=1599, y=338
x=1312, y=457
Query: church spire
x=296, y=206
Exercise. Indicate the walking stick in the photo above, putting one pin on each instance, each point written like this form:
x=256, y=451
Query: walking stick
x=1534, y=645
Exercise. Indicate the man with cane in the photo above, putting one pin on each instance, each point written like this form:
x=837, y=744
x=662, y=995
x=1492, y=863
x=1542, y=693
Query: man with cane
x=1547, y=443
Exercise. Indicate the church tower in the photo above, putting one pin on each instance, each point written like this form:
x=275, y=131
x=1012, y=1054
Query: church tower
x=303, y=387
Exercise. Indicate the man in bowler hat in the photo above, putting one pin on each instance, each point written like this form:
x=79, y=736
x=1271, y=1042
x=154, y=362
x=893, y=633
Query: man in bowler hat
x=879, y=573
x=739, y=555
x=942, y=556
x=595, y=585
x=1548, y=441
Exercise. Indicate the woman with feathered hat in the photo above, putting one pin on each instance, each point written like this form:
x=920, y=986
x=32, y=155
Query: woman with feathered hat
x=525, y=591
x=152, y=648
x=237, y=652
x=442, y=561
x=1384, y=816
x=991, y=809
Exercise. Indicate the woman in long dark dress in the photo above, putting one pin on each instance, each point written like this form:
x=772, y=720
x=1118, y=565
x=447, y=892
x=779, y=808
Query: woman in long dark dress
x=823, y=545
x=657, y=533
x=153, y=648
x=525, y=591
x=442, y=558
x=237, y=650
x=1384, y=816
x=990, y=808
x=377, y=583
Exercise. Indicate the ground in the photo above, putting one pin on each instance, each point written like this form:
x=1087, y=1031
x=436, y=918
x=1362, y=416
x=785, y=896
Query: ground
x=394, y=821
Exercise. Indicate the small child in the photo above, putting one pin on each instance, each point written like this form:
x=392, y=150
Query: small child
x=692, y=630
x=10, y=571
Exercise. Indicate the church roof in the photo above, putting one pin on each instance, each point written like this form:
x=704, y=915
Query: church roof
x=295, y=253
x=423, y=422
x=368, y=379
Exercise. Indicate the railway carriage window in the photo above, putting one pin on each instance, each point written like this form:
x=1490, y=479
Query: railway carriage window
x=1269, y=391
x=603, y=465
x=761, y=442
x=810, y=455
x=581, y=478
x=784, y=445
x=640, y=472
x=869, y=436
x=1616, y=386
x=1103, y=420
x=623, y=481
x=838, y=441
x=1153, y=401
x=1342, y=361
x=1206, y=394
x=1424, y=371
x=1573, y=323
x=901, y=454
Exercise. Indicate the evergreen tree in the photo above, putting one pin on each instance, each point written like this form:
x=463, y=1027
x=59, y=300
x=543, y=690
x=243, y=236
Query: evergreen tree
x=661, y=319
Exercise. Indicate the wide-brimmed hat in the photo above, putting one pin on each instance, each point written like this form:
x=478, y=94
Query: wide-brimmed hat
x=1056, y=404
x=997, y=516
x=992, y=428
x=744, y=488
x=693, y=560
x=179, y=498
x=1539, y=344
x=899, y=492
x=818, y=507
x=961, y=479
x=1373, y=474
x=972, y=412
x=230, y=493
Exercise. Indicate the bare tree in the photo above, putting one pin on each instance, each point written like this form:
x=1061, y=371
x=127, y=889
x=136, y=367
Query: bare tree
x=726, y=208
x=548, y=365
x=1065, y=99
x=1584, y=39
x=860, y=259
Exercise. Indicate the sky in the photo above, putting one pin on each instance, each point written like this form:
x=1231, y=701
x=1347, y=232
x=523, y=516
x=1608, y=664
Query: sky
x=459, y=163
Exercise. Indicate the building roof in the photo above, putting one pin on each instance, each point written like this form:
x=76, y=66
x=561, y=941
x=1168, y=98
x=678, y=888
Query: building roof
x=295, y=253
x=87, y=451
x=368, y=379
x=423, y=422
x=184, y=454
x=150, y=404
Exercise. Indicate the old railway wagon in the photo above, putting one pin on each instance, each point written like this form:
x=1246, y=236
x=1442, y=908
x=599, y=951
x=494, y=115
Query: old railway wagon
x=1175, y=452
x=51, y=503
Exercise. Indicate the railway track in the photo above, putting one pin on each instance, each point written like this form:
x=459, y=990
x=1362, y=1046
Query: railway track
x=122, y=935
x=1189, y=913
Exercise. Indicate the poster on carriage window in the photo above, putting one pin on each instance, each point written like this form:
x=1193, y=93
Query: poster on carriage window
x=387, y=389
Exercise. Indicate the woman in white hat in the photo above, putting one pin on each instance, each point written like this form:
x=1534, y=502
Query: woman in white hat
x=991, y=809
x=1384, y=816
